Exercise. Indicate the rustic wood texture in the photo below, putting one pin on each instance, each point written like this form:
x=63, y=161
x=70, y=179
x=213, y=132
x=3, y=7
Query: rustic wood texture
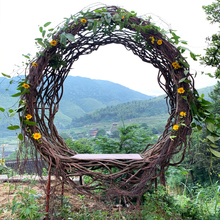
x=109, y=178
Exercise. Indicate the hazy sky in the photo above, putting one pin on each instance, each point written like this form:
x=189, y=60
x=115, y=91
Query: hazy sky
x=20, y=21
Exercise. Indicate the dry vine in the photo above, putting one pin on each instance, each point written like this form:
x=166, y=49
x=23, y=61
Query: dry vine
x=133, y=177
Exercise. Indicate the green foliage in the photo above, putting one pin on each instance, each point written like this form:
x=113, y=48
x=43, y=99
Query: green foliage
x=212, y=55
x=124, y=111
x=81, y=146
x=132, y=139
x=26, y=204
x=101, y=132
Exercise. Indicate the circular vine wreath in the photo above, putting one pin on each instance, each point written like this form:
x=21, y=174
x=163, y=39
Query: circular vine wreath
x=42, y=90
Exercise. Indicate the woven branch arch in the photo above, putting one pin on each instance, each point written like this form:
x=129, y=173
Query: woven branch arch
x=133, y=177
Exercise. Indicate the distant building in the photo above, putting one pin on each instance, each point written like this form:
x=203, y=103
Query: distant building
x=113, y=127
x=92, y=132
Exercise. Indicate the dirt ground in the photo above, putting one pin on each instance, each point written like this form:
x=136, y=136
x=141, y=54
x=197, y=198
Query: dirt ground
x=8, y=190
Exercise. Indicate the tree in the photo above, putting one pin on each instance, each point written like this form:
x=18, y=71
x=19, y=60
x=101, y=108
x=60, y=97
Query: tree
x=82, y=146
x=215, y=96
x=212, y=56
x=132, y=139
x=101, y=132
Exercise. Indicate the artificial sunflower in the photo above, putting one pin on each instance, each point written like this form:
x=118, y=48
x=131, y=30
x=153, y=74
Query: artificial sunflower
x=83, y=20
x=175, y=127
x=53, y=42
x=183, y=114
x=176, y=65
x=34, y=64
x=28, y=116
x=36, y=136
x=25, y=85
x=159, y=42
x=181, y=90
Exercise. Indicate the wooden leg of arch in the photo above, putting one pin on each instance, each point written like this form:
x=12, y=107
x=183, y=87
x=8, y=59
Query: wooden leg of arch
x=155, y=181
x=48, y=195
x=162, y=177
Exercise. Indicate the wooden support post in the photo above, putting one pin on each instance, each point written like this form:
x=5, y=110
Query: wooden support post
x=48, y=195
x=155, y=181
x=162, y=177
x=80, y=180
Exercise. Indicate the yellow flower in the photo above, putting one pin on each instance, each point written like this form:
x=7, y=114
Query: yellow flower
x=152, y=40
x=159, y=42
x=35, y=64
x=176, y=65
x=26, y=86
x=36, y=136
x=183, y=114
x=28, y=116
x=53, y=42
x=175, y=127
x=2, y=160
x=123, y=17
x=181, y=90
x=83, y=20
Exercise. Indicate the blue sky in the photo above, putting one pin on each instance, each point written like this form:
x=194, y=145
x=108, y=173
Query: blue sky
x=20, y=21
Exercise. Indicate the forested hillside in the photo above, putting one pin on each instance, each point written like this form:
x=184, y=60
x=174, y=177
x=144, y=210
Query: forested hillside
x=129, y=110
x=88, y=101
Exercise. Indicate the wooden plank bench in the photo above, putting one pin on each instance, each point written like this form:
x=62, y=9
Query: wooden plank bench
x=108, y=157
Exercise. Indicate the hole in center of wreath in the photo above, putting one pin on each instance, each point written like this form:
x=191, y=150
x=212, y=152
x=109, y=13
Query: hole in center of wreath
x=105, y=94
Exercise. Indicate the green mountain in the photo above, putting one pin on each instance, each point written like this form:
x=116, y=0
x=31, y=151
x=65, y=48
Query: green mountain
x=134, y=109
x=81, y=95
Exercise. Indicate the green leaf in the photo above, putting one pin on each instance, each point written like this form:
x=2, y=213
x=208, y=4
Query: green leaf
x=199, y=127
x=187, y=81
x=70, y=37
x=182, y=80
x=43, y=33
x=193, y=107
x=41, y=43
x=213, y=138
x=38, y=39
x=210, y=126
x=185, y=64
x=12, y=113
x=184, y=97
x=47, y=24
x=210, y=120
x=10, y=110
x=186, y=72
x=21, y=137
x=2, y=109
x=7, y=76
x=16, y=94
x=183, y=41
x=26, y=56
x=216, y=153
x=213, y=146
x=41, y=29
x=13, y=127
x=30, y=122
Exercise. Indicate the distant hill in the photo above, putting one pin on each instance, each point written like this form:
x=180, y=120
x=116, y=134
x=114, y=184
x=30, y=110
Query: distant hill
x=81, y=95
x=134, y=109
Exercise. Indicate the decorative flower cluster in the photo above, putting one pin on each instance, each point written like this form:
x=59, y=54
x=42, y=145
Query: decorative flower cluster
x=159, y=42
x=176, y=127
x=36, y=136
x=176, y=65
